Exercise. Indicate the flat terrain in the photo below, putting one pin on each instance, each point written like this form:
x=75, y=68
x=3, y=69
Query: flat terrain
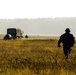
x=35, y=57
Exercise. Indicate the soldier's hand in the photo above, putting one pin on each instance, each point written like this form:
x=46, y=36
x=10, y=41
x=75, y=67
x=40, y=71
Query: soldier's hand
x=58, y=45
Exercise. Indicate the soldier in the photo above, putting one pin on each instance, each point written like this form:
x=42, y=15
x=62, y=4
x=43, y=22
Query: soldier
x=68, y=41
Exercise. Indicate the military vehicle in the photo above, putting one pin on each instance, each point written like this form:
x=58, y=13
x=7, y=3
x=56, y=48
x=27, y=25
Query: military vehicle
x=13, y=33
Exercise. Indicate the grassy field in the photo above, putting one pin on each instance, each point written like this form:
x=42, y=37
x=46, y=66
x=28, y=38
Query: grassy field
x=35, y=57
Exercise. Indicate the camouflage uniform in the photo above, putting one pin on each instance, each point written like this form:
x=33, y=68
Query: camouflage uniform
x=68, y=41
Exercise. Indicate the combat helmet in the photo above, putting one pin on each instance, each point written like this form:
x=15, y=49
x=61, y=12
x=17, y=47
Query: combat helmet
x=67, y=30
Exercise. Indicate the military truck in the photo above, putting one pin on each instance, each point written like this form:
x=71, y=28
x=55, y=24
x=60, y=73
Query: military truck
x=13, y=33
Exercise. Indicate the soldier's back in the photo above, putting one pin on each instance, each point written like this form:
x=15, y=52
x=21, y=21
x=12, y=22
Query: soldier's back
x=67, y=38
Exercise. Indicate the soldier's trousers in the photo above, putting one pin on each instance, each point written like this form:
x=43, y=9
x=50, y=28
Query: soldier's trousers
x=67, y=51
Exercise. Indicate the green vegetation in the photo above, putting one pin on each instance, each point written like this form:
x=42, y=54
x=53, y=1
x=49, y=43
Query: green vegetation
x=35, y=57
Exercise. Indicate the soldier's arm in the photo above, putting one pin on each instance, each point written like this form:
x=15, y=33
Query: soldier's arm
x=60, y=40
x=73, y=40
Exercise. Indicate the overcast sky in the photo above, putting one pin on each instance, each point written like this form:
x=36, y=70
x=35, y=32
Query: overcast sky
x=11, y=9
x=33, y=9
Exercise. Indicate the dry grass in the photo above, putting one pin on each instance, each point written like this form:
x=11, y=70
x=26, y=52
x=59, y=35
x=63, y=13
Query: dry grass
x=35, y=57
